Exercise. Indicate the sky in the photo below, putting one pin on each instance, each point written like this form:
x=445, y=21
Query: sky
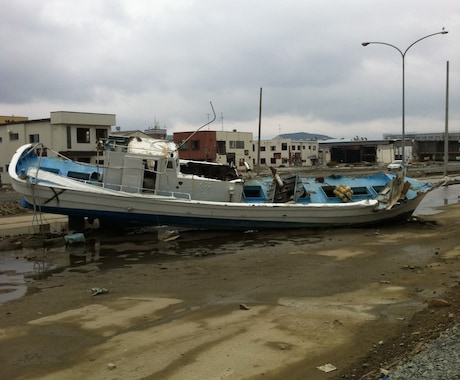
x=162, y=62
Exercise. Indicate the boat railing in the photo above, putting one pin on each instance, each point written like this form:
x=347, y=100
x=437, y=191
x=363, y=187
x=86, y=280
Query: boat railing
x=142, y=190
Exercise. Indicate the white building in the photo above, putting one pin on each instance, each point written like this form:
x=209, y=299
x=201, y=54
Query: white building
x=286, y=152
x=73, y=134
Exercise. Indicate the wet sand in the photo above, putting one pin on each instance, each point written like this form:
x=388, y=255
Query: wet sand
x=260, y=305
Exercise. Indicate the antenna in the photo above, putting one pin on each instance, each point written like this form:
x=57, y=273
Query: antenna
x=222, y=119
x=204, y=125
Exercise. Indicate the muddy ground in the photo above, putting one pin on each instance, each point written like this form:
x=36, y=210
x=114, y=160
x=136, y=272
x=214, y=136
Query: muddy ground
x=256, y=305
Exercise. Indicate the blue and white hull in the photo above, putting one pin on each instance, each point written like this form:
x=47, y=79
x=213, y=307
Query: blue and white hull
x=48, y=190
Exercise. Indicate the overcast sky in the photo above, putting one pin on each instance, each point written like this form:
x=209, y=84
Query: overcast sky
x=165, y=60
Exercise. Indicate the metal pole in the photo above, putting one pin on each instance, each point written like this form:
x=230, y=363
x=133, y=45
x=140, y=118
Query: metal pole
x=403, y=137
x=403, y=56
x=446, y=131
x=260, y=127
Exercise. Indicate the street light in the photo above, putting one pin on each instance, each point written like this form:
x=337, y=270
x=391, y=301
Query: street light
x=403, y=55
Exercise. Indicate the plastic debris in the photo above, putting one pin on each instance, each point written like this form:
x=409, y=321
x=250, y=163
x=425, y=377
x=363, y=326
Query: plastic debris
x=168, y=235
x=74, y=238
x=97, y=291
x=327, y=367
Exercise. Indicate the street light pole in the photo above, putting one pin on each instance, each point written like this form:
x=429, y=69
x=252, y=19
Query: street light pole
x=403, y=56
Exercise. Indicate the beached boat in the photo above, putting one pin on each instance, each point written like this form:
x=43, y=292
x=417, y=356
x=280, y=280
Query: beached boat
x=143, y=181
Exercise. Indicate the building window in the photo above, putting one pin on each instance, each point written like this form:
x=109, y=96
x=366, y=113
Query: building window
x=262, y=161
x=69, y=137
x=14, y=136
x=236, y=144
x=195, y=144
x=293, y=147
x=1, y=139
x=34, y=138
x=101, y=134
x=273, y=148
x=262, y=149
x=273, y=160
x=183, y=146
x=284, y=146
x=83, y=136
x=221, y=149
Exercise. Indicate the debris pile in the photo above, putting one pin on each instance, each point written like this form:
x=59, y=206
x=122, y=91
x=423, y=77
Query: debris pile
x=11, y=208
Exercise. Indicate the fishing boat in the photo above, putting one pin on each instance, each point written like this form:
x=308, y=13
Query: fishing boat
x=142, y=181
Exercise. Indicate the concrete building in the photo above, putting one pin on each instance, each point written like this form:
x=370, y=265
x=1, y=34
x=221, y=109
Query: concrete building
x=215, y=146
x=12, y=119
x=357, y=151
x=428, y=146
x=286, y=152
x=73, y=134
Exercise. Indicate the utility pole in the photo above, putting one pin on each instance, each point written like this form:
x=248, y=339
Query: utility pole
x=260, y=127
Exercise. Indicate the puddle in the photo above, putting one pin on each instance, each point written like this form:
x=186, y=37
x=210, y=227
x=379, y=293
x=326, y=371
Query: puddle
x=442, y=196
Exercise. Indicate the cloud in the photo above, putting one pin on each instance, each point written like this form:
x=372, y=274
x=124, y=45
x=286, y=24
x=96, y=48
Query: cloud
x=165, y=60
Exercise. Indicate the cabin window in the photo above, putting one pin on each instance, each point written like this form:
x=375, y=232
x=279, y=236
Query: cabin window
x=183, y=146
x=34, y=138
x=78, y=175
x=83, y=136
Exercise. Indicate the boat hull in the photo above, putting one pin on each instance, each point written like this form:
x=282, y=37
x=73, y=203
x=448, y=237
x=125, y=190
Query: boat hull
x=63, y=187
x=129, y=209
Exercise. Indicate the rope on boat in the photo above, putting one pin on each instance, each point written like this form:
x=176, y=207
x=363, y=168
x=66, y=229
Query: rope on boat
x=37, y=219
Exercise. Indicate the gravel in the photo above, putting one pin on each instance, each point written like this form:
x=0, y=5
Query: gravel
x=440, y=361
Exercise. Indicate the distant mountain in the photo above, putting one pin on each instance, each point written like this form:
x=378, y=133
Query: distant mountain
x=305, y=136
